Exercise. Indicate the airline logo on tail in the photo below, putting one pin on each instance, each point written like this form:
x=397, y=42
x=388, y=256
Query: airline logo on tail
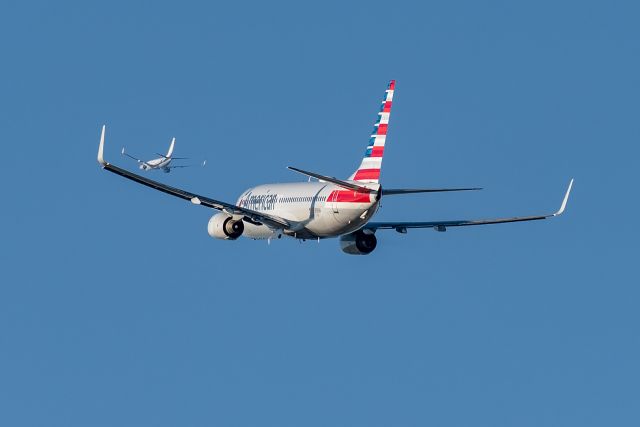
x=369, y=170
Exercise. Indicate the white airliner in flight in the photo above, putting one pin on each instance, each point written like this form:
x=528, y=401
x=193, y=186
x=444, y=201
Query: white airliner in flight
x=328, y=207
x=162, y=163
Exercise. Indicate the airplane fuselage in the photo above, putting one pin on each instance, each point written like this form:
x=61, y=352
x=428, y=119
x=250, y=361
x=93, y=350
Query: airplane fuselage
x=161, y=163
x=315, y=209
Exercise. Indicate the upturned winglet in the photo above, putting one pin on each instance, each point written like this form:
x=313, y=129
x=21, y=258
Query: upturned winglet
x=101, y=148
x=564, y=201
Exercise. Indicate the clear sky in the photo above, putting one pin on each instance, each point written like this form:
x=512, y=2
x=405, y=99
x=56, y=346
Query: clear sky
x=117, y=308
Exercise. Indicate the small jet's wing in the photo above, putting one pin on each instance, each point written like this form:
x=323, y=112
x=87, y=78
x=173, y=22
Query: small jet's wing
x=131, y=157
x=392, y=191
x=402, y=227
x=229, y=208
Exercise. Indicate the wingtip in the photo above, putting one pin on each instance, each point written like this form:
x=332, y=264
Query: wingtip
x=101, y=147
x=565, y=200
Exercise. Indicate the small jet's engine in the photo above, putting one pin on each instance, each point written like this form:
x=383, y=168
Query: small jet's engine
x=223, y=226
x=361, y=242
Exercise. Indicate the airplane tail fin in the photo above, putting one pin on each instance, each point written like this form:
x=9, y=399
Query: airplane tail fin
x=369, y=170
x=170, y=152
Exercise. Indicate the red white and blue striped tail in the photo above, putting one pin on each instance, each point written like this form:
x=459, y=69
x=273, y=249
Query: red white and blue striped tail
x=369, y=170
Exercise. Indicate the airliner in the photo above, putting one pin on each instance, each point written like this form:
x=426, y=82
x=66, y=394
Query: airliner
x=162, y=163
x=325, y=207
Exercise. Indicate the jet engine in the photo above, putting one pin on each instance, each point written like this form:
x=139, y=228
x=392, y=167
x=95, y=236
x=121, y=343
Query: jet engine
x=361, y=242
x=223, y=226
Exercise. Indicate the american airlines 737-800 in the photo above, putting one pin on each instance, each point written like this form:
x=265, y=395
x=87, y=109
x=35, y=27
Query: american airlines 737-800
x=328, y=207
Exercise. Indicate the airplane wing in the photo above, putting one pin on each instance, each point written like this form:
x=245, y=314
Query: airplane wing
x=131, y=157
x=229, y=208
x=402, y=227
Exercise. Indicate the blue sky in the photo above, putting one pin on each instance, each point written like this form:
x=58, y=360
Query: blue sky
x=116, y=307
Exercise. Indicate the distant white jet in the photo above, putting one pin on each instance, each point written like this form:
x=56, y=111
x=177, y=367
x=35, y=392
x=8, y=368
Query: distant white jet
x=162, y=163
x=328, y=207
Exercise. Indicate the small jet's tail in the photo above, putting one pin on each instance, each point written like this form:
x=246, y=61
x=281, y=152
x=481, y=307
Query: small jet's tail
x=170, y=152
x=369, y=170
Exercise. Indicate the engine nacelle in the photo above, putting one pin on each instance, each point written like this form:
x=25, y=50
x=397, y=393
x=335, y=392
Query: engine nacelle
x=223, y=226
x=361, y=242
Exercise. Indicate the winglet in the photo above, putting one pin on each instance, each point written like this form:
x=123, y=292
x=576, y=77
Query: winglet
x=101, y=148
x=564, y=201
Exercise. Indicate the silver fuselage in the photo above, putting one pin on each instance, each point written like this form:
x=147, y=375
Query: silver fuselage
x=315, y=209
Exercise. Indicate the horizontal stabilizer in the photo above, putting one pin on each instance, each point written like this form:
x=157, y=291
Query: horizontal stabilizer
x=345, y=184
x=173, y=158
x=392, y=191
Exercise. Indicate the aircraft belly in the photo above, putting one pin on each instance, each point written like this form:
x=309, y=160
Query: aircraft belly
x=348, y=219
x=253, y=231
x=324, y=224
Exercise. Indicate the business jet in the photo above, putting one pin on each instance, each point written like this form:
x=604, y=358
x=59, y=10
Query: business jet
x=162, y=163
x=322, y=208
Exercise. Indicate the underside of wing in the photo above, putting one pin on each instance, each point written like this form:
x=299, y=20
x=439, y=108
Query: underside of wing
x=402, y=227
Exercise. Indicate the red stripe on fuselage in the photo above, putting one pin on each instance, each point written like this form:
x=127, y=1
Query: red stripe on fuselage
x=382, y=129
x=349, y=196
x=387, y=107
